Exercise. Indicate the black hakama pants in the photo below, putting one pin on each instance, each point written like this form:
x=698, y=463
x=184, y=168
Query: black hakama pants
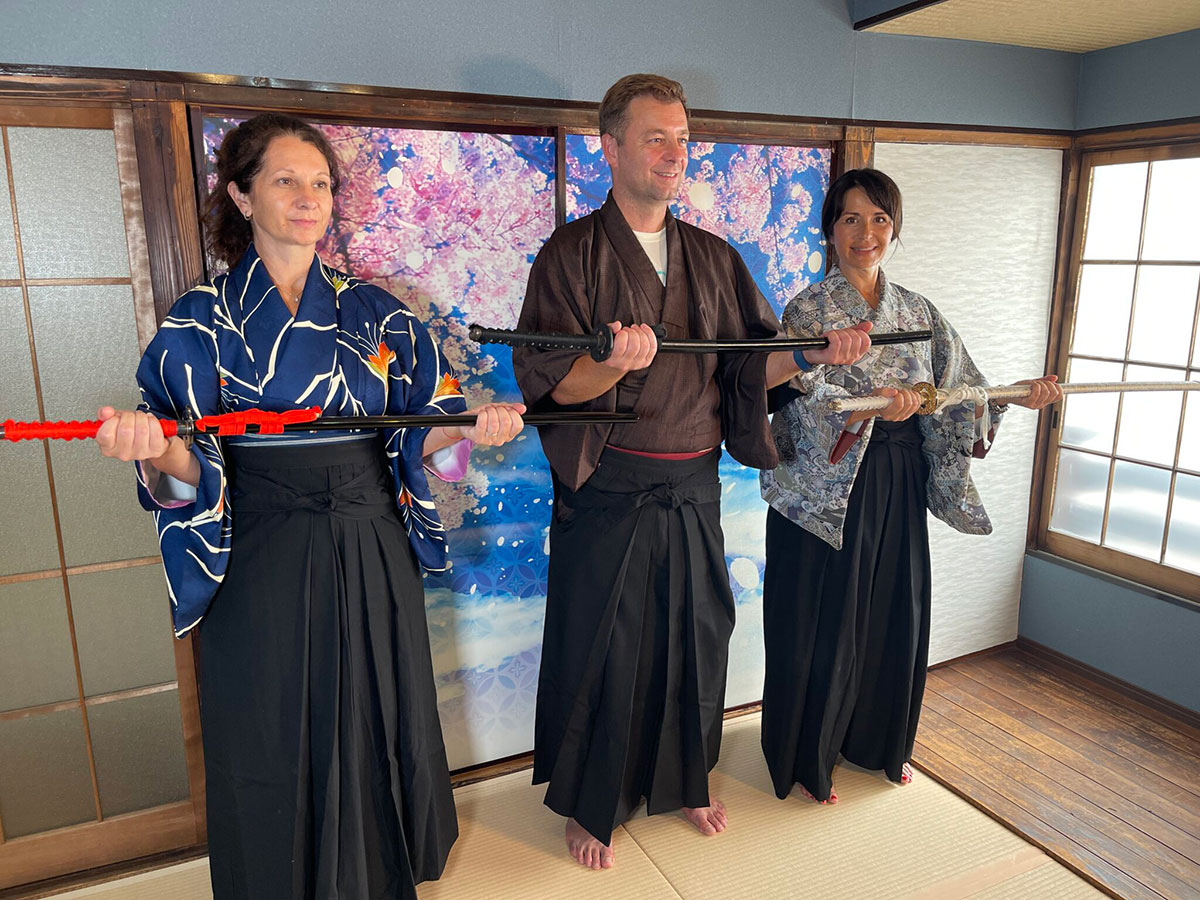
x=847, y=631
x=639, y=612
x=327, y=776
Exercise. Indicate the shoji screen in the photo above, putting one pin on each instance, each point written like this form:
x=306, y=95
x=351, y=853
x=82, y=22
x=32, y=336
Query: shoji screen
x=93, y=765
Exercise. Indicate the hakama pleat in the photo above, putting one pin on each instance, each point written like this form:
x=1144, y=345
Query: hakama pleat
x=639, y=613
x=847, y=631
x=326, y=771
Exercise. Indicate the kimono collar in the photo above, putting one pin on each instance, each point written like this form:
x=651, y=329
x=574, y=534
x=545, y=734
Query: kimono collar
x=669, y=302
x=252, y=284
x=852, y=302
x=272, y=335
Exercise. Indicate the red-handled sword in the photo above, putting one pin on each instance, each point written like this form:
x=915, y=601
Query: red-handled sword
x=255, y=421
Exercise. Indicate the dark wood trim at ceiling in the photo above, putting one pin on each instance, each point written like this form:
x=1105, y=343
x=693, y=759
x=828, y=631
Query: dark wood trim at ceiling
x=495, y=111
x=895, y=134
x=1140, y=134
x=880, y=18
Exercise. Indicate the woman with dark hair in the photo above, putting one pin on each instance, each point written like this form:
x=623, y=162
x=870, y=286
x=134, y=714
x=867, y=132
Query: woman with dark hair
x=297, y=554
x=846, y=591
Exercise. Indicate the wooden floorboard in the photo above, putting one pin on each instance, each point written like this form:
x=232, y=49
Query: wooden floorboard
x=1091, y=759
x=1174, y=732
x=1106, y=784
x=1135, y=745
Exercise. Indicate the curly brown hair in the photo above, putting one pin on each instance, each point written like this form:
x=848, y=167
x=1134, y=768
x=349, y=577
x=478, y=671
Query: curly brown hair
x=239, y=160
x=614, y=108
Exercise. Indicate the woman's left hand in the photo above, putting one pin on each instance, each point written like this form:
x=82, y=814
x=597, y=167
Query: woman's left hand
x=1043, y=392
x=495, y=423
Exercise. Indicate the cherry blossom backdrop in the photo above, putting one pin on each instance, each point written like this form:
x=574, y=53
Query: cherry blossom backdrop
x=449, y=222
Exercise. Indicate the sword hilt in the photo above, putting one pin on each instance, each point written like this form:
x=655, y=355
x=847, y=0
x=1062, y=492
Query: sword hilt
x=69, y=431
x=599, y=344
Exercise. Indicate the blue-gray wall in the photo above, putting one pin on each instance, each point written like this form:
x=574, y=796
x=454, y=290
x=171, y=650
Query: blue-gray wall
x=1117, y=626
x=784, y=57
x=1143, y=82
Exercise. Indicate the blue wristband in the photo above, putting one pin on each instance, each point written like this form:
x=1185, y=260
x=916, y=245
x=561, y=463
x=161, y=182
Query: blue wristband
x=804, y=364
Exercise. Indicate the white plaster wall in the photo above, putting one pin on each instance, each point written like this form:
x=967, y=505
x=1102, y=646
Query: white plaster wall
x=979, y=237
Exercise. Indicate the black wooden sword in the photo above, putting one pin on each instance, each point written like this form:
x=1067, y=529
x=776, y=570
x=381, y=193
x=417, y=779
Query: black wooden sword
x=600, y=343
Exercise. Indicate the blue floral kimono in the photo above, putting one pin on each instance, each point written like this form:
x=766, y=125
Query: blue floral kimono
x=233, y=345
x=811, y=486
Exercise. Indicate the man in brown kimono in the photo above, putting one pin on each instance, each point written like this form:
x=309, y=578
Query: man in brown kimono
x=639, y=611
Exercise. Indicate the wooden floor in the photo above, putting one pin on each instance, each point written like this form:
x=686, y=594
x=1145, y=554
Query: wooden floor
x=1100, y=780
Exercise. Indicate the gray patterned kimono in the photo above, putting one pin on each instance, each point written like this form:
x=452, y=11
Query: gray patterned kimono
x=813, y=492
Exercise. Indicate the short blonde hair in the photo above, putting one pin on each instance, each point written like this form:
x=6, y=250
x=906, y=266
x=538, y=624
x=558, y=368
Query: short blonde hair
x=614, y=108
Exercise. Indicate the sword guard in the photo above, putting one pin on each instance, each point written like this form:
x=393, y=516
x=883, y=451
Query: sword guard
x=604, y=340
x=929, y=398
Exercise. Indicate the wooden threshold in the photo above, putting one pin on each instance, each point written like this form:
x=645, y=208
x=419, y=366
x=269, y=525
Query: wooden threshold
x=1100, y=775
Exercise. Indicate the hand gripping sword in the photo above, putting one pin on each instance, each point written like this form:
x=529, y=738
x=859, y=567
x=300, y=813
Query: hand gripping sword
x=600, y=343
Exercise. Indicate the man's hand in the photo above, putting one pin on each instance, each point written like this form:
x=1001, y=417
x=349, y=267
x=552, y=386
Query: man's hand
x=634, y=347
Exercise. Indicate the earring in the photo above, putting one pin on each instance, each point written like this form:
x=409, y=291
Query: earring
x=247, y=215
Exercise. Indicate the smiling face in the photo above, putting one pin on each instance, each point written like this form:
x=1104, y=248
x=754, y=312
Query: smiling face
x=649, y=160
x=290, y=200
x=862, y=233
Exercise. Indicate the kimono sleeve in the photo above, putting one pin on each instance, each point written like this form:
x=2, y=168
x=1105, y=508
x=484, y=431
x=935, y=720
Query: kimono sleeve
x=179, y=375
x=953, y=367
x=420, y=382
x=950, y=438
x=741, y=377
x=556, y=301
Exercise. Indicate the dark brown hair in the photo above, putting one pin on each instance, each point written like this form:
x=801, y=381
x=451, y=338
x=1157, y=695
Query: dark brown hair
x=880, y=190
x=239, y=160
x=614, y=108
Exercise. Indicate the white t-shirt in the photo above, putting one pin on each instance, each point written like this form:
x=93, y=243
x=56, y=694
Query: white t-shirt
x=655, y=245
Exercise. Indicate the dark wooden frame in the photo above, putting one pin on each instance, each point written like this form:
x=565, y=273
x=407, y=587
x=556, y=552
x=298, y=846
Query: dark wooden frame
x=1154, y=142
x=170, y=826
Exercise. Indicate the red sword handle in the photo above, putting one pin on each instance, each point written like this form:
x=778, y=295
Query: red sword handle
x=186, y=428
x=65, y=431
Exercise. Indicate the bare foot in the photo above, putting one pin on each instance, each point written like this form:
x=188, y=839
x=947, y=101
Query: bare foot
x=906, y=774
x=833, y=798
x=707, y=819
x=585, y=849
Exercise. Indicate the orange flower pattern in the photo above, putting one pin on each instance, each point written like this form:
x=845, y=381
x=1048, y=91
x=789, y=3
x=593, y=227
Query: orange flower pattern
x=382, y=358
x=447, y=386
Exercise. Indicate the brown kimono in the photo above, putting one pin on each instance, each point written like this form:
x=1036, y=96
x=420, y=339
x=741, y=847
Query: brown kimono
x=638, y=610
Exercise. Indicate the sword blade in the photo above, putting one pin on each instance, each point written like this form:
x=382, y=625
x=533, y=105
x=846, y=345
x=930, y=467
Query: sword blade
x=599, y=344
x=1004, y=392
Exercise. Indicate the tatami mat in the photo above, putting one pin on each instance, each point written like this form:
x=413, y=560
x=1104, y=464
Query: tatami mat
x=882, y=841
x=510, y=847
x=186, y=881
